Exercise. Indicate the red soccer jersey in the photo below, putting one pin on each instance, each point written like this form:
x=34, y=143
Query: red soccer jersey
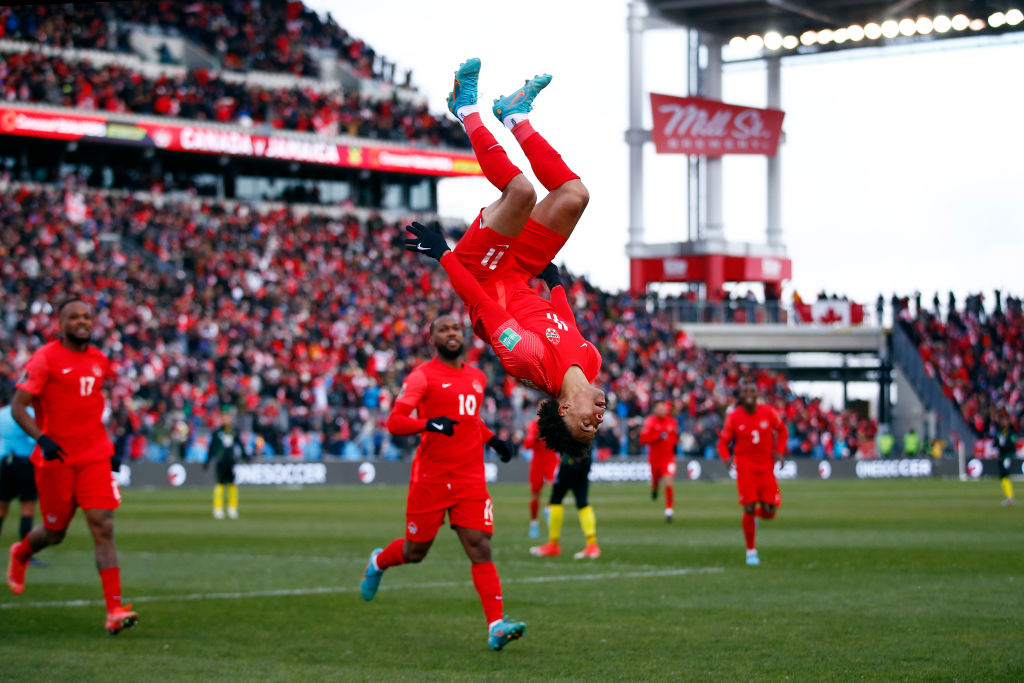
x=543, y=457
x=757, y=437
x=69, y=403
x=434, y=389
x=536, y=339
x=660, y=449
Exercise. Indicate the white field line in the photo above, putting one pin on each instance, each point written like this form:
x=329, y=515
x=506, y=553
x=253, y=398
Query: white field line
x=351, y=589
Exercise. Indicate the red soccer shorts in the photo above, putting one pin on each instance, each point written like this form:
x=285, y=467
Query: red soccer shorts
x=662, y=468
x=63, y=489
x=757, y=487
x=490, y=256
x=542, y=469
x=467, y=505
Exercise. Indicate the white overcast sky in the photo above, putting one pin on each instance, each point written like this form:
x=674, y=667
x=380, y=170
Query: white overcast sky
x=903, y=168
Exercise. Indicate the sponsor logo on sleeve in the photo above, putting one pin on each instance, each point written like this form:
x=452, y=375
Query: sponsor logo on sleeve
x=509, y=338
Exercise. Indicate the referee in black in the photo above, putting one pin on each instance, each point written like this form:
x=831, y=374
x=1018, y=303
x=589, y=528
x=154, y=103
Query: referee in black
x=17, y=475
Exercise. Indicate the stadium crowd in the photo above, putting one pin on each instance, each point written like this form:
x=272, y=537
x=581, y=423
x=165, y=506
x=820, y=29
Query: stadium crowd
x=976, y=354
x=202, y=95
x=305, y=326
x=243, y=34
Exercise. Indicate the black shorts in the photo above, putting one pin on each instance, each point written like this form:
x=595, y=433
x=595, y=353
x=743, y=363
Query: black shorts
x=17, y=479
x=572, y=476
x=225, y=471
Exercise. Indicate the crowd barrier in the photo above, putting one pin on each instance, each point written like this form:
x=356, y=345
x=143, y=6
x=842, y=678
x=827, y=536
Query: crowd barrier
x=633, y=469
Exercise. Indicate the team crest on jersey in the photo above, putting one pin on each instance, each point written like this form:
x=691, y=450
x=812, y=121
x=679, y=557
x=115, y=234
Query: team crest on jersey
x=552, y=335
x=97, y=370
x=764, y=425
x=477, y=387
x=509, y=338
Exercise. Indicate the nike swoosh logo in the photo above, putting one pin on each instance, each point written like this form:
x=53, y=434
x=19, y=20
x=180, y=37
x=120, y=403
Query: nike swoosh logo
x=422, y=248
x=583, y=344
x=65, y=371
x=436, y=425
x=445, y=385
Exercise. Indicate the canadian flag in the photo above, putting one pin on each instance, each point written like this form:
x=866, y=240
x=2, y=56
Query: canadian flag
x=831, y=313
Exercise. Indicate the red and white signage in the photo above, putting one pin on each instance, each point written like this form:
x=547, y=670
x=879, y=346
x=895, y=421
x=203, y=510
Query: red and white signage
x=696, y=268
x=830, y=313
x=694, y=125
x=176, y=137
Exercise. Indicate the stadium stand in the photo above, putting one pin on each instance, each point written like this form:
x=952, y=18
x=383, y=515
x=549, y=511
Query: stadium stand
x=976, y=354
x=203, y=95
x=305, y=321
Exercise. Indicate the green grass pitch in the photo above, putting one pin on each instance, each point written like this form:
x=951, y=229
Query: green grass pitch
x=876, y=580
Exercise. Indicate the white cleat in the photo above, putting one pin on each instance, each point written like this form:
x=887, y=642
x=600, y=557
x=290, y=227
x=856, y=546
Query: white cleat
x=218, y=514
x=668, y=514
x=233, y=513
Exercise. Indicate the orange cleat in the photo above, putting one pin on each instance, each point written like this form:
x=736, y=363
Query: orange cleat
x=546, y=550
x=590, y=552
x=16, y=572
x=120, y=618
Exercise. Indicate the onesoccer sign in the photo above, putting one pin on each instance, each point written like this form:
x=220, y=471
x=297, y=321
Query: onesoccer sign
x=694, y=125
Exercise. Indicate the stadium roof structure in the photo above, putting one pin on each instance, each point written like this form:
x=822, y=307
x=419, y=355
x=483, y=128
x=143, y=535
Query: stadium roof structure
x=814, y=26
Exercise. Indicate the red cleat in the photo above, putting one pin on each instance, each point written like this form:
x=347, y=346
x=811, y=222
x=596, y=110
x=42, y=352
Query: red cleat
x=16, y=572
x=590, y=552
x=546, y=550
x=120, y=618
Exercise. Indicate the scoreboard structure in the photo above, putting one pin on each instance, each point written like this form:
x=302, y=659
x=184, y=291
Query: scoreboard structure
x=703, y=127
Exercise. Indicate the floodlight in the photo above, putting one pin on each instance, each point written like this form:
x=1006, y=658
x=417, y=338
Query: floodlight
x=855, y=33
x=977, y=24
x=996, y=19
x=908, y=27
x=1014, y=17
x=738, y=43
x=825, y=36
x=942, y=23
x=873, y=31
x=808, y=38
x=790, y=42
x=755, y=42
x=924, y=25
x=960, y=22
x=772, y=40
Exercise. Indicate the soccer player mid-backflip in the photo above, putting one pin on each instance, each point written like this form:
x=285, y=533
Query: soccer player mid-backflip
x=513, y=240
x=758, y=436
x=447, y=474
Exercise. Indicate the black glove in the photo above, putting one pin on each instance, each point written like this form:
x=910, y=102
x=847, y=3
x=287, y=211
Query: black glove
x=550, y=275
x=51, y=449
x=441, y=425
x=501, y=447
x=426, y=240
x=115, y=463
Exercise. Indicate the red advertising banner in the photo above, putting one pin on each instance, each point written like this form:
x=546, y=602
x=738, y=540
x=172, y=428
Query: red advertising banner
x=177, y=137
x=694, y=125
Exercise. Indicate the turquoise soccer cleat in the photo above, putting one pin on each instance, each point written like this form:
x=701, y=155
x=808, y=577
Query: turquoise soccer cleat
x=752, y=559
x=521, y=101
x=371, y=577
x=464, y=89
x=504, y=632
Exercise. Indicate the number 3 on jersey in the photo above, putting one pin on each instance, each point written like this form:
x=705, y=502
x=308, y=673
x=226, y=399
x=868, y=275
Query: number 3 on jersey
x=467, y=404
